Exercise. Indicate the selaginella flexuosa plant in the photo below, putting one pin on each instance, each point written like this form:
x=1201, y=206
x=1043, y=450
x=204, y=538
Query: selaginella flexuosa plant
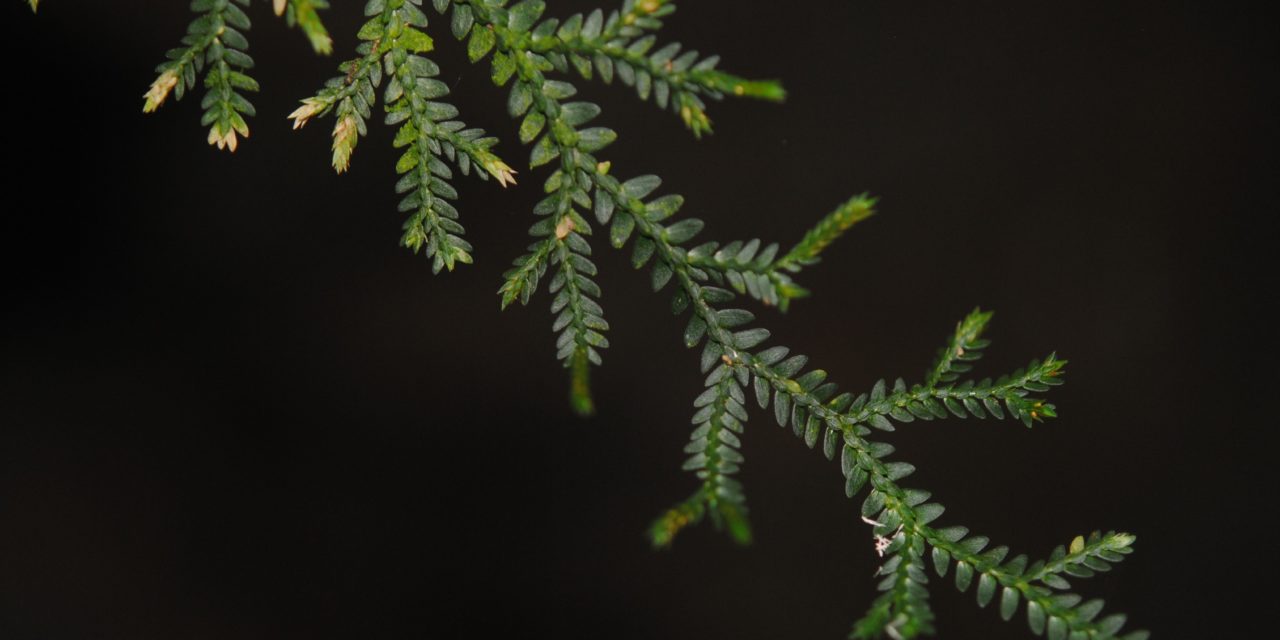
x=538, y=59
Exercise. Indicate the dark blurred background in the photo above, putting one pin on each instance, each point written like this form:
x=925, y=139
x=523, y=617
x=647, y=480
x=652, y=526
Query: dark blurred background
x=232, y=407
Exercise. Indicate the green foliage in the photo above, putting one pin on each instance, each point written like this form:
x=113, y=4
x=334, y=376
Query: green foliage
x=216, y=44
x=623, y=47
x=759, y=273
x=965, y=346
x=714, y=457
x=902, y=610
x=857, y=209
x=303, y=14
x=585, y=204
x=393, y=41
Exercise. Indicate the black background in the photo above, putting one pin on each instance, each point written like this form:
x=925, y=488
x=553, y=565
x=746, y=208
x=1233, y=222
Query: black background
x=233, y=408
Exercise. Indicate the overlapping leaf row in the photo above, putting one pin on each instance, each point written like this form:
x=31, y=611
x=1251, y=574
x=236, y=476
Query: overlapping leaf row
x=350, y=97
x=554, y=128
x=715, y=459
x=757, y=272
x=749, y=270
x=392, y=42
x=720, y=415
x=962, y=349
x=526, y=50
x=410, y=100
x=619, y=46
x=899, y=516
x=902, y=609
x=214, y=40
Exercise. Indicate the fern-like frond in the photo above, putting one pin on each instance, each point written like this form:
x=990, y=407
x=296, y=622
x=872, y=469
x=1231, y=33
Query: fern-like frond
x=433, y=224
x=1008, y=395
x=392, y=45
x=892, y=508
x=554, y=127
x=621, y=46
x=964, y=347
x=429, y=129
x=1084, y=558
x=215, y=43
x=351, y=97
x=816, y=412
x=828, y=230
x=759, y=273
x=713, y=455
x=803, y=400
x=530, y=54
x=525, y=52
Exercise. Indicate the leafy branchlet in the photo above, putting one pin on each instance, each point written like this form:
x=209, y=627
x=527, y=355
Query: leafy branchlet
x=623, y=47
x=964, y=347
x=216, y=45
x=757, y=272
x=393, y=44
x=531, y=56
x=828, y=230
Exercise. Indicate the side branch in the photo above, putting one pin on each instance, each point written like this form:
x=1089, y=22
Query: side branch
x=899, y=516
x=759, y=273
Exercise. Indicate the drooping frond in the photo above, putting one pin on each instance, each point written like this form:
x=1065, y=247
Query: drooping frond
x=749, y=269
x=816, y=412
x=1083, y=559
x=530, y=56
x=350, y=97
x=902, y=610
x=392, y=47
x=964, y=347
x=828, y=230
x=215, y=44
x=553, y=126
x=1057, y=615
x=714, y=457
x=621, y=44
